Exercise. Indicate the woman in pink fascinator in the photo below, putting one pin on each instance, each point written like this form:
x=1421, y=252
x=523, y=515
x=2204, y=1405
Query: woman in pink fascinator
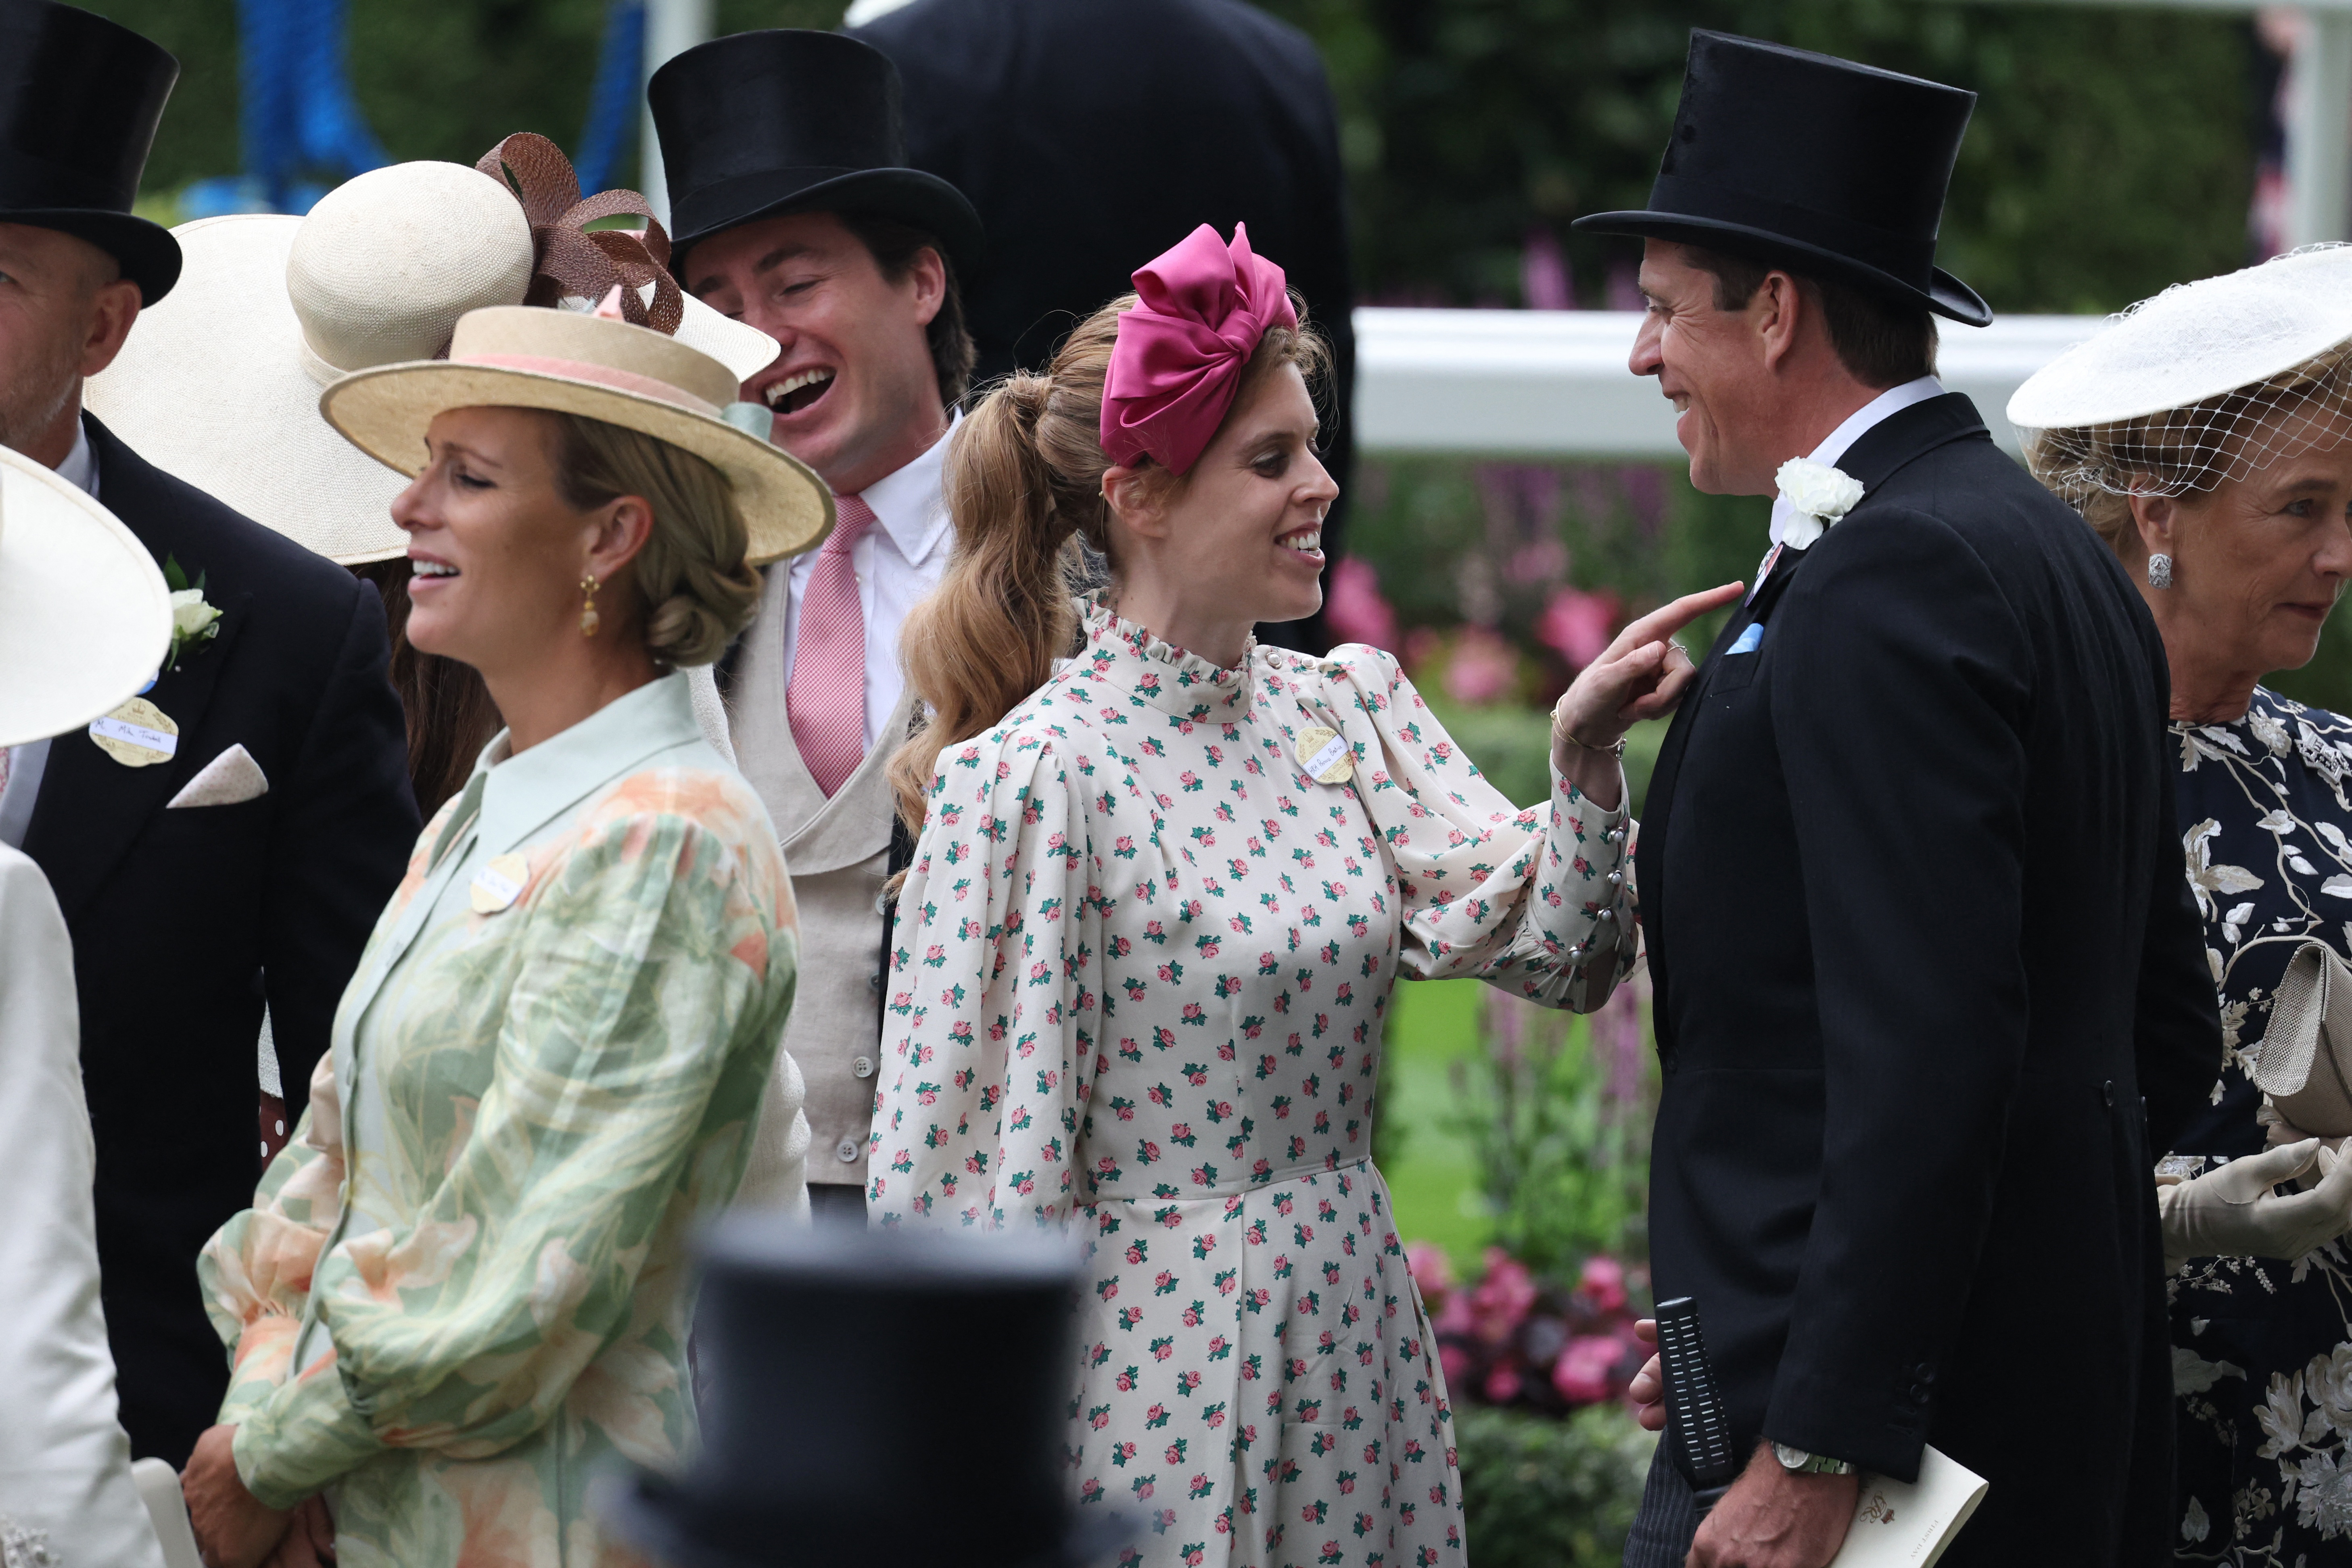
x=1166, y=877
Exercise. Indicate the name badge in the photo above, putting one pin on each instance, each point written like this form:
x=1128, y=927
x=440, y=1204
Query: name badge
x=137, y=734
x=1326, y=755
x=501, y=883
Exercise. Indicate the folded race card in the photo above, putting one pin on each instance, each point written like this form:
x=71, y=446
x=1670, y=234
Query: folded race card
x=1900, y=1526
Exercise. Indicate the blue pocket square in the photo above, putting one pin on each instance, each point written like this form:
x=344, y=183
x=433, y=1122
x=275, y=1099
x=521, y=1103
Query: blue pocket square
x=1748, y=641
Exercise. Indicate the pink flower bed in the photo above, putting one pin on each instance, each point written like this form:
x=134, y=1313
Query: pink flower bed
x=1508, y=1337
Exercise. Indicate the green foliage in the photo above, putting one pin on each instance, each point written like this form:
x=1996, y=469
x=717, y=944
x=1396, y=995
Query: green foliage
x=2109, y=157
x=436, y=78
x=1543, y=1493
x=1563, y=1152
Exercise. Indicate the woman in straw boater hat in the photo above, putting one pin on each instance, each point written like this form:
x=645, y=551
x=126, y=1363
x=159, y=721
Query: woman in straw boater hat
x=84, y=620
x=271, y=307
x=2206, y=436
x=462, y=1288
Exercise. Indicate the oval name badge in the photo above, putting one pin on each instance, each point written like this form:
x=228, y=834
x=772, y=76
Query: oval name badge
x=1326, y=755
x=501, y=883
x=138, y=734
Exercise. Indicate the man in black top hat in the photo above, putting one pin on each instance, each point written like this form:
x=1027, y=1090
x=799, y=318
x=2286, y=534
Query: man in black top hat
x=1931, y=996
x=1043, y=109
x=233, y=854
x=794, y=211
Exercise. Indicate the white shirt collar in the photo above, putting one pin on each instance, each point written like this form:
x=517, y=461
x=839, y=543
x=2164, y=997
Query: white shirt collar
x=80, y=468
x=912, y=503
x=1879, y=409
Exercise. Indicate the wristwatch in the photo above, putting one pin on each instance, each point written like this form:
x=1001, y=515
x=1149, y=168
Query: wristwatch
x=1796, y=1461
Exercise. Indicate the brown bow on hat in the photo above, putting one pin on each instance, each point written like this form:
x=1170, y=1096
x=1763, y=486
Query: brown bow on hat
x=568, y=259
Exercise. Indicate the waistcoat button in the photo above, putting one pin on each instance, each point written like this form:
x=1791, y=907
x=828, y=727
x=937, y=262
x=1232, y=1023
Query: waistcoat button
x=845, y=1151
x=863, y=1067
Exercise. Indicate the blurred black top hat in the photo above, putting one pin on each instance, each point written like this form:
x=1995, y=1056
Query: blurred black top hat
x=756, y=125
x=1813, y=163
x=875, y=1397
x=79, y=97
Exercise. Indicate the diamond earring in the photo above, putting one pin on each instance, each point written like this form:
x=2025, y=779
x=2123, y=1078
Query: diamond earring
x=2159, y=570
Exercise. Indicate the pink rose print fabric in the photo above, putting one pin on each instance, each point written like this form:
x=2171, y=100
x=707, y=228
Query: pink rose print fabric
x=1141, y=968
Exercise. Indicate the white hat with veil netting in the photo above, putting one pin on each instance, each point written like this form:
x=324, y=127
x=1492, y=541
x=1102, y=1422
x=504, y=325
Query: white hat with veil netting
x=2207, y=382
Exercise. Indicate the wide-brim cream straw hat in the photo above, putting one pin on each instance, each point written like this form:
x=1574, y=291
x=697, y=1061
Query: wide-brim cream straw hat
x=84, y=618
x=564, y=362
x=219, y=383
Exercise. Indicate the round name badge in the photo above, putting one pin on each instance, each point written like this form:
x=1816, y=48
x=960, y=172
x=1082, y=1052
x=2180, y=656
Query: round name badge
x=1326, y=755
x=501, y=883
x=138, y=734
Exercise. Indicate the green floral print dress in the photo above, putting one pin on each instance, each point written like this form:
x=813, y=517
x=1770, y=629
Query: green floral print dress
x=462, y=1290
x=1141, y=965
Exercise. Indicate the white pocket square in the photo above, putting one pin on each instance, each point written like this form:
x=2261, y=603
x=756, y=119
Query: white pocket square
x=228, y=779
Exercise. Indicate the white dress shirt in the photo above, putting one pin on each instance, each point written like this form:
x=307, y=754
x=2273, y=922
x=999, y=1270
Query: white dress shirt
x=897, y=560
x=1886, y=405
x=29, y=762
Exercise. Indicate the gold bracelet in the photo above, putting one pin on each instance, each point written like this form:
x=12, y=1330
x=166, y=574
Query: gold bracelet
x=1560, y=732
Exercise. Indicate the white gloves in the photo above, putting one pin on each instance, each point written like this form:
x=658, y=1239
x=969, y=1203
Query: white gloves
x=2233, y=1213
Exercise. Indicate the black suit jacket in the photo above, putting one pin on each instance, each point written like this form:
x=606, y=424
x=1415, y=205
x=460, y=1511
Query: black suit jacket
x=187, y=922
x=1092, y=137
x=1931, y=996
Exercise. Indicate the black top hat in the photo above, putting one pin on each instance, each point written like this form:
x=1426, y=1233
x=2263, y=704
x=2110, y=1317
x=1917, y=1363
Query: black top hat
x=757, y=125
x=875, y=1396
x=79, y=97
x=1812, y=162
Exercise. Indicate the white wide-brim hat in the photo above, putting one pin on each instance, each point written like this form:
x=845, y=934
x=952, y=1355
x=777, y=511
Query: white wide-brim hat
x=84, y=618
x=2196, y=341
x=219, y=383
x=566, y=362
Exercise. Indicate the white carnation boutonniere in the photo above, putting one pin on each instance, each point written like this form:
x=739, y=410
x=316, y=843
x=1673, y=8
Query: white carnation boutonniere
x=193, y=622
x=1818, y=495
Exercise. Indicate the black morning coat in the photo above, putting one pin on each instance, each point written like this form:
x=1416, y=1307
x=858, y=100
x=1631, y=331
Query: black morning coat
x=185, y=922
x=1931, y=1000
x=1093, y=137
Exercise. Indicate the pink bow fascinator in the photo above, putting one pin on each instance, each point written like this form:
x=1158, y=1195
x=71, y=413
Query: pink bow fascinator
x=1178, y=361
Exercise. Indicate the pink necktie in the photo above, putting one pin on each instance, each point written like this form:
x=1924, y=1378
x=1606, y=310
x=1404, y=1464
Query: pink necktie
x=825, y=698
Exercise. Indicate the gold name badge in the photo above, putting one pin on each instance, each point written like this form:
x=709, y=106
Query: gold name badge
x=137, y=734
x=1326, y=755
x=501, y=883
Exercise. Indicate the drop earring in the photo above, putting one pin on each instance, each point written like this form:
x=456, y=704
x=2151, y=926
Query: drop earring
x=589, y=619
x=2159, y=570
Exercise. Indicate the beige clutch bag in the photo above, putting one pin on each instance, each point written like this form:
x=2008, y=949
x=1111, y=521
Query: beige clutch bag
x=2306, y=1058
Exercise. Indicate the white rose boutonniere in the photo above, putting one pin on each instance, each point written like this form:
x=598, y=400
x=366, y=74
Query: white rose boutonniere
x=1819, y=494
x=193, y=622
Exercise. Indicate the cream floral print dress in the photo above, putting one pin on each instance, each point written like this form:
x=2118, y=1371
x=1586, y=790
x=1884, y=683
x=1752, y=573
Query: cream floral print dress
x=462, y=1290
x=1140, y=968
x=2261, y=1356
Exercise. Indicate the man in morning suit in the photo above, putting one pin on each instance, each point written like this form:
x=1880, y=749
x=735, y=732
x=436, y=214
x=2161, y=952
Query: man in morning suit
x=1055, y=116
x=1931, y=995
x=796, y=213
x=235, y=851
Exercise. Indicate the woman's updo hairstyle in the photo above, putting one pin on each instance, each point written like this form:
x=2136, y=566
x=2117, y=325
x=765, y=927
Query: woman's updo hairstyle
x=1025, y=487
x=691, y=576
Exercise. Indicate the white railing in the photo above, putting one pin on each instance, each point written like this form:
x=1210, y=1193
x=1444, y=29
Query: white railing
x=1553, y=383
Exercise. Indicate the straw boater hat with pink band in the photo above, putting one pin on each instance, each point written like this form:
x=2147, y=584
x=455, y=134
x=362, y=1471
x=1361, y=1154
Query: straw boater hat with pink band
x=517, y=356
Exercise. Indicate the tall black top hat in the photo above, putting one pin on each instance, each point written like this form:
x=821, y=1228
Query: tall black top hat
x=845, y=1420
x=1813, y=163
x=79, y=97
x=756, y=125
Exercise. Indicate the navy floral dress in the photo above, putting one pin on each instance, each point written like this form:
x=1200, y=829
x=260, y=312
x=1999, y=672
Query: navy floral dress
x=2262, y=1357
